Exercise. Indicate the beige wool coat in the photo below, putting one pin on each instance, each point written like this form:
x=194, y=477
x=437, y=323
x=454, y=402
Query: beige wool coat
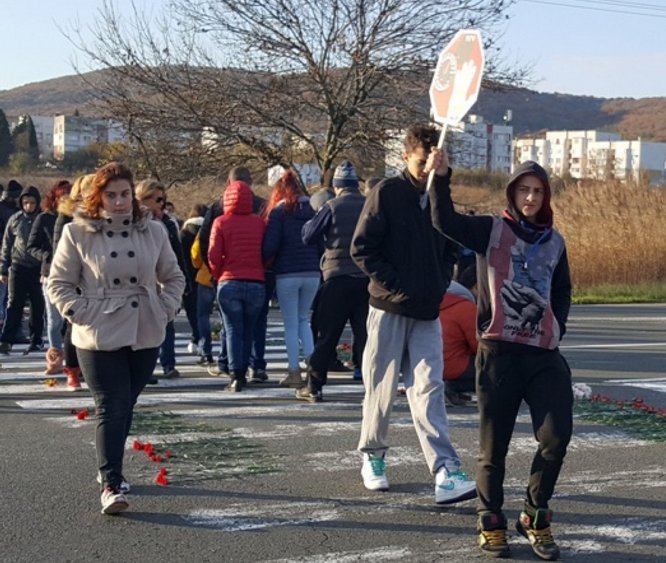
x=117, y=282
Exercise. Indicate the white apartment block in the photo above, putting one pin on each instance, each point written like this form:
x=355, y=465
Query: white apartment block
x=72, y=133
x=478, y=145
x=593, y=154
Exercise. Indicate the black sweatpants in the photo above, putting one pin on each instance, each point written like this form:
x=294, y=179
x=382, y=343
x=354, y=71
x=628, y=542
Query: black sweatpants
x=503, y=380
x=340, y=299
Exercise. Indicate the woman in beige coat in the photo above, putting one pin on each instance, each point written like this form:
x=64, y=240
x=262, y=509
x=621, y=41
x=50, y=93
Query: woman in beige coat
x=116, y=279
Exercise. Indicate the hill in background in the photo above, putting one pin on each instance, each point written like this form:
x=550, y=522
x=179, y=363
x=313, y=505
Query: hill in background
x=532, y=111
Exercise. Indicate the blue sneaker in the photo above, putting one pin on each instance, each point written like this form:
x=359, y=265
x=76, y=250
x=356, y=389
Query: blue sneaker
x=358, y=376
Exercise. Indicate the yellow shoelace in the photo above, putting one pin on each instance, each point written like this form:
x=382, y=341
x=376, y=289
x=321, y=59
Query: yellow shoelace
x=494, y=537
x=543, y=536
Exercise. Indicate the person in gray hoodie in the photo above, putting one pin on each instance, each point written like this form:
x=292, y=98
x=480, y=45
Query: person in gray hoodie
x=21, y=271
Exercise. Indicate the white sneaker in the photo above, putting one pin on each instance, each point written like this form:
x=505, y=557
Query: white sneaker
x=193, y=349
x=453, y=486
x=124, y=486
x=374, y=473
x=113, y=501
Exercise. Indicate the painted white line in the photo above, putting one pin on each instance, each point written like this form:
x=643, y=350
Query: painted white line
x=388, y=553
x=241, y=518
x=612, y=346
x=188, y=397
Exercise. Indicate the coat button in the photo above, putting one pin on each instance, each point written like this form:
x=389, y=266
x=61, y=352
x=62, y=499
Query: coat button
x=114, y=254
x=109, y=234
x=126, y=222
x=135, y=304
x=70, y=312
x=130, y=254
x=125, y=234
x=116, y=281
x=109, y=220
x=133, y=279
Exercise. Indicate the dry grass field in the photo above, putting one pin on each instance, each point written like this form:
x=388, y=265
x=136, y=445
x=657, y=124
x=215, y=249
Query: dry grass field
x=615, y=232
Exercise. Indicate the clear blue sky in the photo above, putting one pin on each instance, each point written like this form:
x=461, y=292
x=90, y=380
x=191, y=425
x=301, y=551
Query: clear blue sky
x=608, y=50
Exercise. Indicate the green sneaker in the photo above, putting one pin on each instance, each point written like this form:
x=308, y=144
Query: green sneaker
x=492, y=535
x=534, y=524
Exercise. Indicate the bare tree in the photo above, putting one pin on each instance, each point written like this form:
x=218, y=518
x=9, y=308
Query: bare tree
x=212, y=83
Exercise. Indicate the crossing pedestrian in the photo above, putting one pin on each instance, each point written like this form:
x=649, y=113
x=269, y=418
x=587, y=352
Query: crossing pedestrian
x=524, y=296
x=115, y=277
x=409, y=265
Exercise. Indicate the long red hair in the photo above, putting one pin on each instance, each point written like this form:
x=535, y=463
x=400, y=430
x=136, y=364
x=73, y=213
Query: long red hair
x=107, y=173
x=287, y=188
x=52, y=197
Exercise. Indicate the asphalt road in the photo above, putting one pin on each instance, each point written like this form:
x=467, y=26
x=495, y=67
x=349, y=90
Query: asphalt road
x=257, y=476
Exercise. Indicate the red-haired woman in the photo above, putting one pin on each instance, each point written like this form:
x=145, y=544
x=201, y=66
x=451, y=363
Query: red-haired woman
x=41, y=246
x=296, y=268
x=115, y=277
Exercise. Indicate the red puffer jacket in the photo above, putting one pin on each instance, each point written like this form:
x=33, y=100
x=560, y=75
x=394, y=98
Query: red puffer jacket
x=235, y=240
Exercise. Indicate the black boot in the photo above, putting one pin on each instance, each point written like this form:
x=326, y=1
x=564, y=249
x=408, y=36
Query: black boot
x=534, y=524
x=237, y=381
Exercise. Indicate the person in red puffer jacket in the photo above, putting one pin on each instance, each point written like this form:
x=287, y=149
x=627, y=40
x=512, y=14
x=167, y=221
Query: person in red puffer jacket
x=235, y=262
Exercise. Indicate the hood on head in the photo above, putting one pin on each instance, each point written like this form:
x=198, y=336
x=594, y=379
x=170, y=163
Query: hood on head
x=238, y=198
x=12, y=191
x=30, y=191
x=545, y=216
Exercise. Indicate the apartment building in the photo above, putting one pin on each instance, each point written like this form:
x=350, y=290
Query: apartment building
x=72, y=133
x=593, y=154
x=477, y=144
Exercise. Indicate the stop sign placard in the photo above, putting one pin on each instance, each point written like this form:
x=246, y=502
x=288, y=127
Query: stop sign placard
x=457, y=80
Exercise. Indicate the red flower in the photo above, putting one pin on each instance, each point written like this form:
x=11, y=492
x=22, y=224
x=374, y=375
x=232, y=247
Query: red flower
x=137, y=445
x=168, y=454
x=148, y=448
x=161, y=480
x=163, y=471
x=82, y=414
x=157, y=458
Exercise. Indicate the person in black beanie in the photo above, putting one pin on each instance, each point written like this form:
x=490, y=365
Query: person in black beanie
x=343, y=295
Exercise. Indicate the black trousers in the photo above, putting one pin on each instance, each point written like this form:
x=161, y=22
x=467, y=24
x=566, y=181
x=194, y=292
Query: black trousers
x=24, y=285
x=340, y=299
x=190, y=306
x=503, y=381
x=115, y=380
x=466, y=381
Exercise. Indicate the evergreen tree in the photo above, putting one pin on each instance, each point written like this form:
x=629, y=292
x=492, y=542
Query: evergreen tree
x=6, y=144
x=25, y=138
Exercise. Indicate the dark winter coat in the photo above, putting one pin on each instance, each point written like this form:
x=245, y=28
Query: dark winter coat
x=41, y=243
x=334, y=225
x=409, y=263
x=283, y=242
x=15, y=240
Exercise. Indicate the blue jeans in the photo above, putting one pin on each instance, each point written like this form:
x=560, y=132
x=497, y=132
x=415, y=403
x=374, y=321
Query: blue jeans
x=3, y=301
x=257, y=356
x=241, y=303
x=205, y=302
x=296, y=295
x=53, y=322
x=168, y=349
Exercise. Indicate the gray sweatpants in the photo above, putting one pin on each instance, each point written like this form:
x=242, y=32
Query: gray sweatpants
x=400, y=344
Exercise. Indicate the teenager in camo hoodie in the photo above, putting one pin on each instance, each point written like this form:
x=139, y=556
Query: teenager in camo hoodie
x=523, y=303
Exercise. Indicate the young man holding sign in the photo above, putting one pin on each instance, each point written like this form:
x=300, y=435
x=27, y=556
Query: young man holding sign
x=409, y=265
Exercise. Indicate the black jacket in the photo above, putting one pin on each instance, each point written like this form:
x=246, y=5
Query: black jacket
x=409, y=263
x=41, y=244
x=15, y=240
